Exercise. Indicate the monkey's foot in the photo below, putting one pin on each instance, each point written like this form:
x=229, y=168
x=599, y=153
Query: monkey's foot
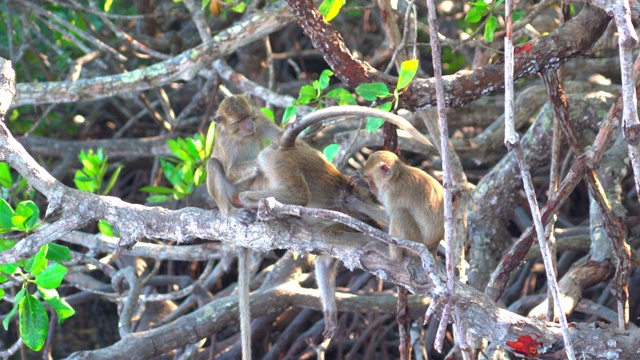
x=329, y=333
x=266, y=209
x=330, y=325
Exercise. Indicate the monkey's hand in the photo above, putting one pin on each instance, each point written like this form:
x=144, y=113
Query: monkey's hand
x=356, y=179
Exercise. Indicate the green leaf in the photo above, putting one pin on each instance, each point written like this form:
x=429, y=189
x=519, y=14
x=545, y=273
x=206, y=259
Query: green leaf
x=268, y=113
x=1, y=293
x=480, y=3
x=490, y=28
x=112, y=180
x=372, y=91
x=84, y=182
x=170, y=172
x=107, y=5
x=289, y=114
x=476, y=13
x=205, y=3
x=5, y=175
x=408, y=70
x=62, y=308
x=6, y=213
x=331, y=151
x=34, y=322
x=240, y=8
x=157, y=199
x=330, y=8
x=517, y=15
x=343, y=96
x=84, y=159
x=157, y=189
x=324, y=79
x=210, y=138
x=374, y=123
x=105, y=228
x=498, y=3
x=51, y=277
x=307, y=95
x=8, y=268
x=16, y=301
x=57, y=252
x=6, y=244
x=200, y=176
x=192, y=149
x=37, y=263
x=26, y=215
x=177, y=148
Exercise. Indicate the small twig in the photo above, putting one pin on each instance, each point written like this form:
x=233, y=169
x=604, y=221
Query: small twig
x=512, y=141
x=449, y=220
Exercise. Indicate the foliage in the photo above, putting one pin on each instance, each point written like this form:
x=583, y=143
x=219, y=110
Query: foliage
x=380, y=91
x=330, y=8
x=313, y=94
x=42, y=270
x=486, y=9
x=91, y=176
x=94, y=169
x=187, y=171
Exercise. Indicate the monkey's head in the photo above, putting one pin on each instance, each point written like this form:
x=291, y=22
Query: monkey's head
x=379, y=169
x=234, y=116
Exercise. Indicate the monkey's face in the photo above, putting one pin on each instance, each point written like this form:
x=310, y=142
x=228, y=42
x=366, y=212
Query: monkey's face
x=376, y=174
x=244, y=127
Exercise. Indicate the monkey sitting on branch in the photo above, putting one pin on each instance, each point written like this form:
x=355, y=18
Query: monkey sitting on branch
x=241, y=132
x=413, y=200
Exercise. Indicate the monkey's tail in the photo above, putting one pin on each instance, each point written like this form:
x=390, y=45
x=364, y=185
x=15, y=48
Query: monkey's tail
x=243, y=302
x=290, y=134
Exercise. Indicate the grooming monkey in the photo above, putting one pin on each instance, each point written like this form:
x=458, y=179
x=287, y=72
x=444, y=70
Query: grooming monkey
x=297, y=174
x=413, y=200
x=242, y=131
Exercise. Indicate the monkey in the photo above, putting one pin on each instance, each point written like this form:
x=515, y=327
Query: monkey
x=413, y=200
x=242, y=131
x=297, y=174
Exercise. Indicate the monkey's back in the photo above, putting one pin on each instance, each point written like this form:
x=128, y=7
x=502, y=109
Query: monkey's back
x=324, y=180
x=305, y=167
x=427, y=205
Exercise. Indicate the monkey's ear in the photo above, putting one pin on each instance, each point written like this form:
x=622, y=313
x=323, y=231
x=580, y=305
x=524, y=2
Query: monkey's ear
x=217, y=119
x=247, y=95
x=385, y=169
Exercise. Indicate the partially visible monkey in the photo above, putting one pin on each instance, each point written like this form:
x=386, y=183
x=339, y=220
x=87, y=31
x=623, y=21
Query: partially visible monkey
x=242, y=131
x=412, y=198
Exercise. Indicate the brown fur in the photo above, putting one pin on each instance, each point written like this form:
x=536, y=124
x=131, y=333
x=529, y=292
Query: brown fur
x=300, y=175
x=412, y=198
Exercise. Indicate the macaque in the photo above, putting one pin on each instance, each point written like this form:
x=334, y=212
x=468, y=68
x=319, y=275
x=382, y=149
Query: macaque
x=297, y=174
x=242, y=131
x=413, y=200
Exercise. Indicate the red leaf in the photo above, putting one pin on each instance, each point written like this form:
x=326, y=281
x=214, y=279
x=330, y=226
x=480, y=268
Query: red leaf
x=526, y=346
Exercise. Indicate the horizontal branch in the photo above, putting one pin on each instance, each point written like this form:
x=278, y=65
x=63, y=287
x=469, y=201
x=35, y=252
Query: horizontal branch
x=184, y=66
